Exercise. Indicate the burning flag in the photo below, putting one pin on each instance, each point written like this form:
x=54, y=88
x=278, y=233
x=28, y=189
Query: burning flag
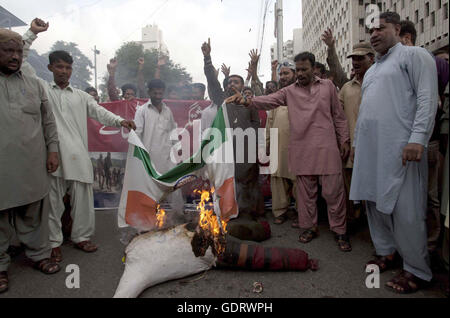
x=144, y=187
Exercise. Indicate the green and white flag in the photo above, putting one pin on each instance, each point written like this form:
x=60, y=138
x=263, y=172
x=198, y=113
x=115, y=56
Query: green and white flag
x=144, y=186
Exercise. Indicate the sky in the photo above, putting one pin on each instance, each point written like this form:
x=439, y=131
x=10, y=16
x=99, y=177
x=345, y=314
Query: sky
x=232, y=26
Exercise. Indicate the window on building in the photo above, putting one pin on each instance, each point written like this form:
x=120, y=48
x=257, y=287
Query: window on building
x=421, y=26
x=433, y=19
x=446, y=11
x=427, y=9
x=417, y=17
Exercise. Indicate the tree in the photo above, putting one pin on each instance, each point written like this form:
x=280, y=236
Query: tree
x=82, y=66
x=127, y=57
x=39, y=64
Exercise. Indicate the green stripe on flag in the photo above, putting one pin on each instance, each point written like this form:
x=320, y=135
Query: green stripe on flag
x=188, y=166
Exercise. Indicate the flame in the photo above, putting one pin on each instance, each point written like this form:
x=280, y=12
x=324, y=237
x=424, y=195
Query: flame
x=160, y=216
x=208, y=220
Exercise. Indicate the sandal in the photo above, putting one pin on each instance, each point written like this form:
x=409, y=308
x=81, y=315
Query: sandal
x=47, y=266
x=295, y=225
x=383, y=263
x=405, y=283
x=279, y=220
x=3, y=282
x=87, y=246
x=308, y=236
x=56, y=255
x=343, y=243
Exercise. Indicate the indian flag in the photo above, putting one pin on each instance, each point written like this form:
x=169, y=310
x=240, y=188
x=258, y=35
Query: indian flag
x=144, y=187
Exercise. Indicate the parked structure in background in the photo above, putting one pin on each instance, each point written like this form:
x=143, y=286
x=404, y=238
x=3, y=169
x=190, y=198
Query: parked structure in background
x=347, y=19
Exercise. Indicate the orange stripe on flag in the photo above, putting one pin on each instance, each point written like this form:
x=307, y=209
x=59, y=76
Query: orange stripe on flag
x=141, y=211
x=227, y=203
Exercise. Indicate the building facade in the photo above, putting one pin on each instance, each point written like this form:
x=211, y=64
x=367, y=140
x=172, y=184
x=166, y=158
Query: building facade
x=347, y=20
x=152, y=39
x=288, y=51
x=290, y=48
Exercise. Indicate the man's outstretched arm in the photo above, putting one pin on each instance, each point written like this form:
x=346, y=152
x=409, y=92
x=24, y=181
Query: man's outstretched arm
x=214, y=88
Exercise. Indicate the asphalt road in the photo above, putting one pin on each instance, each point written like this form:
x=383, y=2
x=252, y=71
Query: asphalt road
x=340, y=274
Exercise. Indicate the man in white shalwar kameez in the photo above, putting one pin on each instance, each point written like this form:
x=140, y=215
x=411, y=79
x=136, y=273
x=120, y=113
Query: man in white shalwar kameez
x=399, y=104
x=154, y=125
x=71, y=108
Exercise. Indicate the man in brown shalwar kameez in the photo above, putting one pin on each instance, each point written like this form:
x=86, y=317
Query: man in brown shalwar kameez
x=28, y=153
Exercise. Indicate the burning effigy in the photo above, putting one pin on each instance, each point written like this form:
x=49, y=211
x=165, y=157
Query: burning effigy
x=163, y=251
x=168, y=254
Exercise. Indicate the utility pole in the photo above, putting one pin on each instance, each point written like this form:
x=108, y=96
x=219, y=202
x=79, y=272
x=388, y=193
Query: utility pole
x=96, y=52
x=279, y=28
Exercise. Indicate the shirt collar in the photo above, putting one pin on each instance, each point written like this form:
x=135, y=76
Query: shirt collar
x=149, y=104
x=315, y=80
x=355, y=81
x=391, y=50
x=68, y=88
x=18, y=74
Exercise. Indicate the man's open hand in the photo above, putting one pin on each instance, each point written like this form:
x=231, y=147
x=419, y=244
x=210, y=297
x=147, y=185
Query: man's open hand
x=206, y=48
x=226, y=70
x=39, y=26
x=412, y=152
x=328, y=38
x=274, y=65
x=52, y=162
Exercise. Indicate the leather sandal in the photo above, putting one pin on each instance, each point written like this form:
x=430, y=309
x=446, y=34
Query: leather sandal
x=406, y=283
x=57, y=254
x=308, y=235
x=47, y=266
x=343, y=242
x=4, y=282
x=383, y=263
x=280, y=220
x=87, y=246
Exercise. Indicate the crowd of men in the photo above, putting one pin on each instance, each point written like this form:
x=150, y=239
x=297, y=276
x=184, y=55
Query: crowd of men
x=369, y=143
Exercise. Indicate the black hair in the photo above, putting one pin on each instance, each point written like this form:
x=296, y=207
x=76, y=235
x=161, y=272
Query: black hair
x=391, y=17
x=306, y=56
x=246, y=88
x=321, y=67
x=60, y=56
x=199, y=86
x=90, y=89
x=409, y=28
x=127, y=87
x=156, y=83
x=238, y=76
x=273, y=82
